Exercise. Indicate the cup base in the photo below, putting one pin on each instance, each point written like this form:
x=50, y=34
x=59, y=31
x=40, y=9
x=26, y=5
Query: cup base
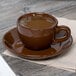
x=37, y=48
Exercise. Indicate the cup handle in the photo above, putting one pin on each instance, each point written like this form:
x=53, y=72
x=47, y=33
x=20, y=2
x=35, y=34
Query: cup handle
x=65, y=37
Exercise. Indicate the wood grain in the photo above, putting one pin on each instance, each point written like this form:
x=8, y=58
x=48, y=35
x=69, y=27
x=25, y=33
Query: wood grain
x=10, y=10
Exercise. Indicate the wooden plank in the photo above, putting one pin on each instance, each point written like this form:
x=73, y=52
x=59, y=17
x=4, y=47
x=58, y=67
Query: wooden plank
x=68, y=12
x=26, y=68
x=10, y=10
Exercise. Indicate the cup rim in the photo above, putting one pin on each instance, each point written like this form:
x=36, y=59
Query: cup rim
x=39, y=13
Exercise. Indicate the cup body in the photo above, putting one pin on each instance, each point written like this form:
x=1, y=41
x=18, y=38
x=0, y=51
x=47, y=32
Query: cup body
x=37, y=39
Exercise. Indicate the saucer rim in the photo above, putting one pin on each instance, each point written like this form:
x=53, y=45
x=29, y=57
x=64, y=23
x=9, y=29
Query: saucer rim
x=28, y=57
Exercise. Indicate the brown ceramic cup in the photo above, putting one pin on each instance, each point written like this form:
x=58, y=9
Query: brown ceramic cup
x=40, y=35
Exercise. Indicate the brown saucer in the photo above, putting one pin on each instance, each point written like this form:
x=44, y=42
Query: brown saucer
x=12, y=42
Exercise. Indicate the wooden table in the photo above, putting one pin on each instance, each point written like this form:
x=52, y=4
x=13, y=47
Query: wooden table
x=10, y=10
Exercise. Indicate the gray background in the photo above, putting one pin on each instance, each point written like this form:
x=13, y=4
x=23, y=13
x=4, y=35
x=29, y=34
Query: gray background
x=10, y=10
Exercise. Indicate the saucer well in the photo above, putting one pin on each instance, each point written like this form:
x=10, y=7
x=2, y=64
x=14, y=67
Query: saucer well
x=13, y=43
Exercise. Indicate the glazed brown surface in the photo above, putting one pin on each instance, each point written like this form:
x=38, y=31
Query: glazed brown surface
x=12, y=41
x=37, y=30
